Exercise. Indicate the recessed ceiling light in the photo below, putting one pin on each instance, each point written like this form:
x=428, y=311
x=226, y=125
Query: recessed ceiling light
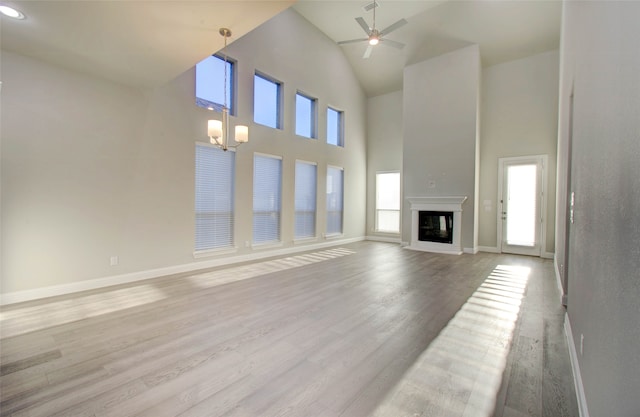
x=11, y=12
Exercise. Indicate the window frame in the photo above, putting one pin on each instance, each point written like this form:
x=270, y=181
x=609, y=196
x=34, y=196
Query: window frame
x=339, y=127
x=377, y=210
x=313, y=116
x=279, y=99
x=232, y=85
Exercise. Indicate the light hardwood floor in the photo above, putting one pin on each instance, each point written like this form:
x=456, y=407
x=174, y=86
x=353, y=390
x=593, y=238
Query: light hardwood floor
x=356, y=330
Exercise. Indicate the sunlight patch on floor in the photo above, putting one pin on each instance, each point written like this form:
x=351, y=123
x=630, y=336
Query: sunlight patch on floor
x=242, y=272
x=461, y=371
x=23, y=320
x=20, y=320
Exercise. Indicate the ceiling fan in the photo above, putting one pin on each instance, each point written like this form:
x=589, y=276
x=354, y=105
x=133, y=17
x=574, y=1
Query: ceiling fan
x=375, y=36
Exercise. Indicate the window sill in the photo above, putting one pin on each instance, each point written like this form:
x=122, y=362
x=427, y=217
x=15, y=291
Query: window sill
x=214, y=252
x=267, y=245
x=303, y=240
x=333, y=236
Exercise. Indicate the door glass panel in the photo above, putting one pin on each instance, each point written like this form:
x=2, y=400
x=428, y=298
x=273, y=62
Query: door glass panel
x=521, y=205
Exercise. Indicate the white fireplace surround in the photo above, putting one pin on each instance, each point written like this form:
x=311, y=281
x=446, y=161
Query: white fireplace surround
x=449, y=203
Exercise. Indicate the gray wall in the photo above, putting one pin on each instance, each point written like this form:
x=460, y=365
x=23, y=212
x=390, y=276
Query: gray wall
x=93, y=169
x=519, y=118
x=440, y=119
x=600, y=58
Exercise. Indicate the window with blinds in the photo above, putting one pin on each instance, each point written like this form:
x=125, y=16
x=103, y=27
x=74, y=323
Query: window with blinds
x=215, y=176
x=334, y=199
x=305, y=200
x=267, y=192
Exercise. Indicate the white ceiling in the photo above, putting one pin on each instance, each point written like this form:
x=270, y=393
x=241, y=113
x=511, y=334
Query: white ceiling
x=143, y=43
x=148, y=43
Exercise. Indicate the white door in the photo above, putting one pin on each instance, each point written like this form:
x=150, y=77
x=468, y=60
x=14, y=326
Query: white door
x=521, y=215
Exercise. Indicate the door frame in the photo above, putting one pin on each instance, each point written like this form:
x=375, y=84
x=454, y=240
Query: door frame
x=542, y=225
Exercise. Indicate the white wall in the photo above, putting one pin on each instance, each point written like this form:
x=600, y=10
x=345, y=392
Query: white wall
x=440, y=138
x=601, y=62
x=93, y=169
x=384, y=147
x=519, y=118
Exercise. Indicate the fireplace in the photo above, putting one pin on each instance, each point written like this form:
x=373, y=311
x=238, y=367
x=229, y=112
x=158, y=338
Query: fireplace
x=436, y=224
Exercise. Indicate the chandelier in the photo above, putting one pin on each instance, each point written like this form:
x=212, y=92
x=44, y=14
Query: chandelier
x=218, y=130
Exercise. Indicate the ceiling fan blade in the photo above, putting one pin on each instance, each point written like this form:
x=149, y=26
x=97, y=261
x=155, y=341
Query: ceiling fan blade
x=393, y=27
x=367, y=52
x=352, y=41
x=363, y=25
x=394, y=44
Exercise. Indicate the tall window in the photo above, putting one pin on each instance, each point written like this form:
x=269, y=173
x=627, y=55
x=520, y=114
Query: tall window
x=210, y=83
x=266, y=101
x=305, y=116
x=305, y=200
x=334, y=200
x=335, y=130
x=388, y=202
x=214, y=197
x=267, y=191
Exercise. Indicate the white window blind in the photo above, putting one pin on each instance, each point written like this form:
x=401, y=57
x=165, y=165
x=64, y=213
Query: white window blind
x=215, y=172
x=334, y=200
x=305, y=200
x=267, y=191
x=388, y=202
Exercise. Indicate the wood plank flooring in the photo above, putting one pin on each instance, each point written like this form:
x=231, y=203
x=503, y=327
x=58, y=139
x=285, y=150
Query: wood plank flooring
x=362, y=329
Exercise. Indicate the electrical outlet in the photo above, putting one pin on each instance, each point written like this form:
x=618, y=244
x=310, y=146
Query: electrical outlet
x=113, y=261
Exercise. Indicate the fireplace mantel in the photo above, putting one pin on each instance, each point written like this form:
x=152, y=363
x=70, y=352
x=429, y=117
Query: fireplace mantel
x=437, y=203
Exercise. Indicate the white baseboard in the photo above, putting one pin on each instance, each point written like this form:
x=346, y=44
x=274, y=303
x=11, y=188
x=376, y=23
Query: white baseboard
x=556, y=268
x=472, y=251
x=384, y=239
x=490, y=249
x=575, y=366
x=92, y=284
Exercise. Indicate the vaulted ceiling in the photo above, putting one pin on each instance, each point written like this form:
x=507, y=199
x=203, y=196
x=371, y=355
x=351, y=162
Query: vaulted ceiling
x=148, y=43
x=504, y=29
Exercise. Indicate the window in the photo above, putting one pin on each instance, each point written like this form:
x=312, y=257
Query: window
x=334, y=127
x=210, y=83
x=215, y=171
x=334, y=200
x=305, y=200
x=267, y=101
x=388, y=202
x=267, y=191
x=305, y=116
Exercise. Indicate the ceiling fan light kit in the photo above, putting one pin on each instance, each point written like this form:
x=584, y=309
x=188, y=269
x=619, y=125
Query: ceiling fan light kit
x=375, y=36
